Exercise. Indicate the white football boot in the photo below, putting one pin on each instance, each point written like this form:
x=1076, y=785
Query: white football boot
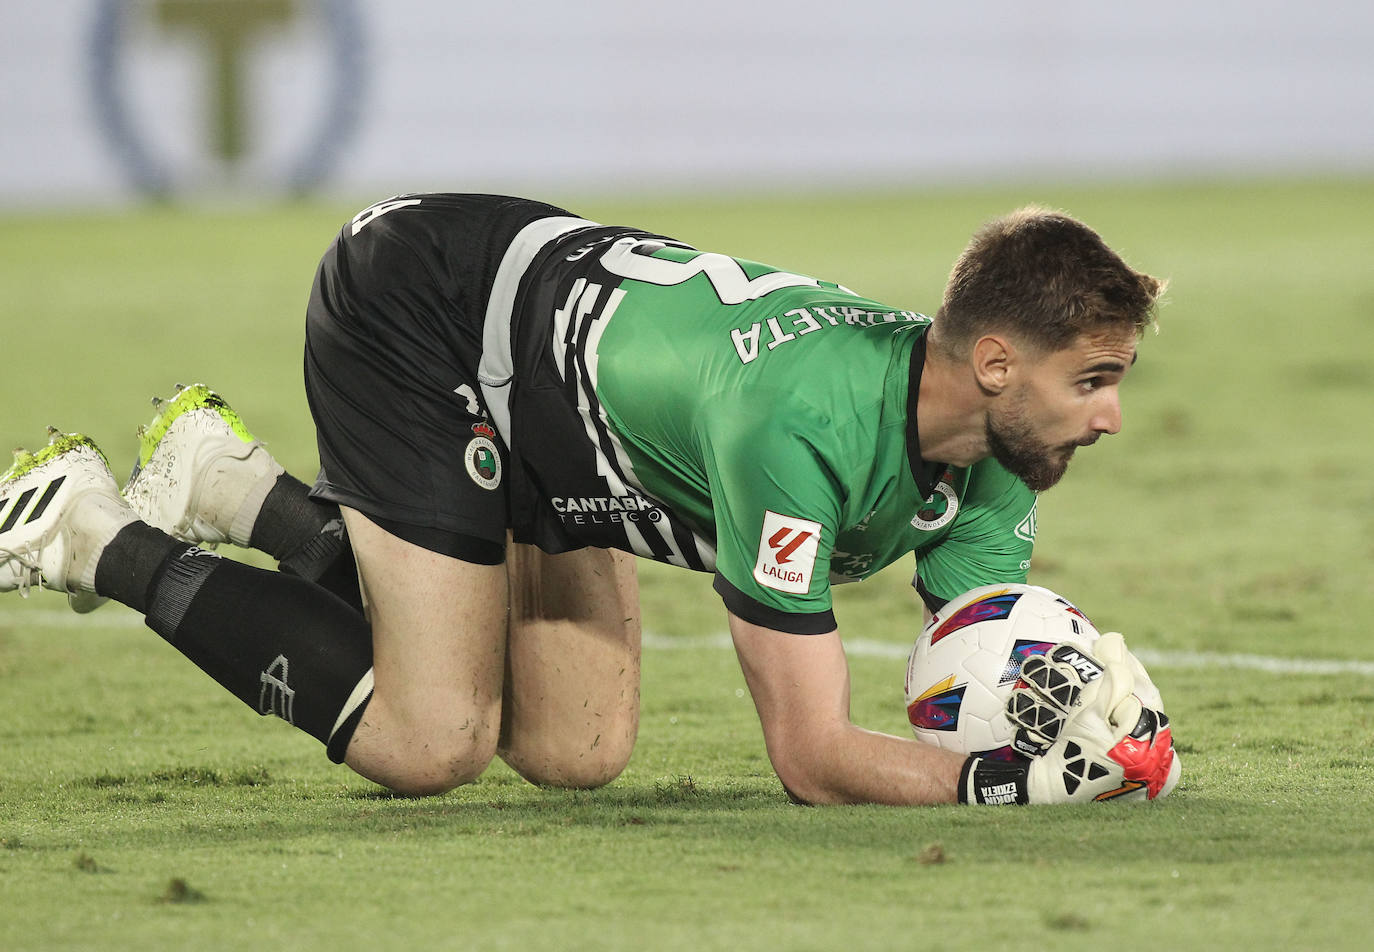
x=59, y=508
x=201, y=476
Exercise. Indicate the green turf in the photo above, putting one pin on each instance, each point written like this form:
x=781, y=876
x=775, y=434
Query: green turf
x=141, y=807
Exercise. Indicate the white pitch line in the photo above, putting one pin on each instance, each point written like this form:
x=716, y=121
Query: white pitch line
x=115, y=617
x=1252, y=662
x=868, y=648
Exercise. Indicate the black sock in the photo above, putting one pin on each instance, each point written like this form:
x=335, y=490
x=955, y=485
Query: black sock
x=131, y=561
x=280, y=644
x=289, y=518
x=308, y=539
x=327, y=560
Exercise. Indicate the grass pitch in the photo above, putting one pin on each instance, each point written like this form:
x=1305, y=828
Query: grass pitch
x=1228, y=531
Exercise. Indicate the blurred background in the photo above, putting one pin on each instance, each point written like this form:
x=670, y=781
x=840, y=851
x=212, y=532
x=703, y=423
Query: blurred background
x=107, y=100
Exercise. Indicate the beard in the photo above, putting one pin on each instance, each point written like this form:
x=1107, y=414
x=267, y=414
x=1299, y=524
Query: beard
x=1013, y=443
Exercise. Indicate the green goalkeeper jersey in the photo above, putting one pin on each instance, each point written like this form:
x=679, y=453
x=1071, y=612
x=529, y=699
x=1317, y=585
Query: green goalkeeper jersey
x=731, y=417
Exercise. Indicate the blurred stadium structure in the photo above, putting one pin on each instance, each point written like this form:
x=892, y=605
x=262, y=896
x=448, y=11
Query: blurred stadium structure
x=105, y=99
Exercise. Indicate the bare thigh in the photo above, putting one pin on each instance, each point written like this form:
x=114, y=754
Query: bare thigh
x=438, y=643
x=571, y=710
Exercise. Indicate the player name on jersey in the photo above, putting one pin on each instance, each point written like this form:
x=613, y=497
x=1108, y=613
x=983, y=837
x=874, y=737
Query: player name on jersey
x=805, y=320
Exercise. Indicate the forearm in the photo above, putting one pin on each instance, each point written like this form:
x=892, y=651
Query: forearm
x=800, y=686
x=854, y=765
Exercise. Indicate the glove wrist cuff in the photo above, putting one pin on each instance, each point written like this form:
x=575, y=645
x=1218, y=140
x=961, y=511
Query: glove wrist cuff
x=994, y=782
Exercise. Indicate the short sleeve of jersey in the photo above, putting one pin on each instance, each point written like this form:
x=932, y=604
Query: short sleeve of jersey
x=990, y=540
x=776, y=504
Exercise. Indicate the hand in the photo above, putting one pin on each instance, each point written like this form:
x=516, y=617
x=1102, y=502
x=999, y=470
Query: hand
x=1087, y=733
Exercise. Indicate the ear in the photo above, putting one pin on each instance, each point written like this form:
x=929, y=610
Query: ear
x=993, y=358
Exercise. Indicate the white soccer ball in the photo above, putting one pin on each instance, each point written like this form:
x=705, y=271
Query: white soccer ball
x=967, y=661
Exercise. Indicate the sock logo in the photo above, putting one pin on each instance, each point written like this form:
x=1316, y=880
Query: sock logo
x=277, y=697
x=183, y=575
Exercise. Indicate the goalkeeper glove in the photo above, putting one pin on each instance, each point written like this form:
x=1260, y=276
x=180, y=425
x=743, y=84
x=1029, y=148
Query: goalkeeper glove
x=1081, y=722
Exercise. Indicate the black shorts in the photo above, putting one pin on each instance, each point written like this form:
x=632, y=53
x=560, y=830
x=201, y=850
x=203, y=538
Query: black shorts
x=393, y=341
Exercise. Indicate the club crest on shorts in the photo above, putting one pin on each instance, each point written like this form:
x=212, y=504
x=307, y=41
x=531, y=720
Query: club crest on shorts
x=483, y=462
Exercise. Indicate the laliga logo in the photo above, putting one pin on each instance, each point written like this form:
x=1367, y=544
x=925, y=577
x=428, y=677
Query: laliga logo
x=196, y=93
x=787, y=553
x=784, y=545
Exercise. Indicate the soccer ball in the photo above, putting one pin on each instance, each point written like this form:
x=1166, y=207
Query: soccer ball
x=967, y=661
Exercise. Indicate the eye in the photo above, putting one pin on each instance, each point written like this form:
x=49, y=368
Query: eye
x=1089, y=385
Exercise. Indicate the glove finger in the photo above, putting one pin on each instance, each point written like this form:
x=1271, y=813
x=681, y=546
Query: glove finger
x=1143, y=687
x=1124, y=687
x=1038, y=709
x=1126, y=715
x=1110, y=648
x=1060, y=676
x=1025, y=709
x=1035, y=724
x=1051, y=682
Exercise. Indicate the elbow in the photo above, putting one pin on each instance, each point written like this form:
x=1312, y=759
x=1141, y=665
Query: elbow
x=797, y=798
x=804, y=778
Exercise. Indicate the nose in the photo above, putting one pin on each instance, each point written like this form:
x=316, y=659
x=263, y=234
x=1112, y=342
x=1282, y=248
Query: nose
x=1107, y=419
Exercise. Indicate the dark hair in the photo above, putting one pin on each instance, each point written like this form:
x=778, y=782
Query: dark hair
x=1045, y=278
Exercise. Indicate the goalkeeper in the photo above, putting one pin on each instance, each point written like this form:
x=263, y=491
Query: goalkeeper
x=512, y=403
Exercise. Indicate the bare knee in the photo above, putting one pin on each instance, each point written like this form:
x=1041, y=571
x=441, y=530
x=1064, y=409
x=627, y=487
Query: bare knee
x=429, y=776
x=572, y=762
x=577, y=739
x=559, y=737
x=429, y=762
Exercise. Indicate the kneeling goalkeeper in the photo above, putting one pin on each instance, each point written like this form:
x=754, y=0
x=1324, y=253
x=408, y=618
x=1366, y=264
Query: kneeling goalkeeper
x=512, y=403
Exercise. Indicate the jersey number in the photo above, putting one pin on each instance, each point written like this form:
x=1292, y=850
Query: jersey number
x=627, y=259
x=373, y=212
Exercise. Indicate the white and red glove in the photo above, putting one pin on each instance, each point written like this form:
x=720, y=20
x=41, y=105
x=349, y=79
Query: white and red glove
x=1092, y=728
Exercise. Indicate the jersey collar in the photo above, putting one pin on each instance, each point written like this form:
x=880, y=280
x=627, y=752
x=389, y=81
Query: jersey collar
x=927, y=475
